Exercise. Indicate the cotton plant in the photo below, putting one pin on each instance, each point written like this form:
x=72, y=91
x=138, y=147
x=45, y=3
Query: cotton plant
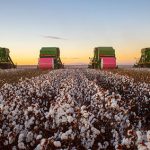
x=75, y=109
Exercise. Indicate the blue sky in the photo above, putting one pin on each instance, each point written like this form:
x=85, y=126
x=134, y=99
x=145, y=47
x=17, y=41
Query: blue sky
x=80, y=25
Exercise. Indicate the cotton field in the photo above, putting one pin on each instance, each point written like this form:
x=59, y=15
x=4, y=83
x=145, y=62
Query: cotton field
x=75, y=109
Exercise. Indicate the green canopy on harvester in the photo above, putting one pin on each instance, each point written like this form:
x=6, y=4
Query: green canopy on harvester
x=104, y=51
x=49, y=52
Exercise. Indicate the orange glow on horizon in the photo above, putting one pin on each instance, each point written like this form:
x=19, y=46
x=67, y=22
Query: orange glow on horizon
x=72, y=57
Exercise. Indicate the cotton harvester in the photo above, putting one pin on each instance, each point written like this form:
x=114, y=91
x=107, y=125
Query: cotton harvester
x=104, y=58
x=5, y=60
x=49, y=58
x=145, y=58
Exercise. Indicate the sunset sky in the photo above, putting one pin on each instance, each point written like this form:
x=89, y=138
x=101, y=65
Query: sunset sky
x=76, y=27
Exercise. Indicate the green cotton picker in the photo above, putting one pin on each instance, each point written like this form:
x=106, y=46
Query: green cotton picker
x=5, y=60
x=104, y=58
x=145, y=58
x=49, y=58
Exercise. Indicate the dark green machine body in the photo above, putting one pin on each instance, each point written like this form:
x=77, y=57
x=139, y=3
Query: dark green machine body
x=52, y=52
x=5, y=60
x=101, y=52
x=144, y=59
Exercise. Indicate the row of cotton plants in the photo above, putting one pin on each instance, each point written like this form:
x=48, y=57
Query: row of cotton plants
x=9, y=70
x=139, y=69
x=75, y=109
x=12, y=76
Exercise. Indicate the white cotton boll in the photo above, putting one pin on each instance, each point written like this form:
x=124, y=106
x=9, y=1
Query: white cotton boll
x=11, y=139
x=57, y=144
x=5, y=112
x=142, y=147
x=16, y=117
x=1, y=98
x=139, y=124
x=17, y=129
x=91, y=118
x=50, y=113
x=102, y=130
x=14, y=148
x=29, y=122
x=100, y=145
x=6, y=142
x=107, y=115
x=38, y=147
x=106, y=144
x=30, y=108
x=32, y=143
x=128, y=122
x=29, y=137
x=1, y=106
x=140, y=136
x=83, y=107
x=83, y=129
x=116, y=145
x=38, y=137
x=21, y=127
x=0, y=132
x=70, y=119
x=95, y=131
x=64, y=119
x=21, y=137
x=114, y=103
x=88, y=134
x=69, y=101
x=25, y=112
x=64, y=136
x=72, y=136
x=61, y=111
x=13, y=123
x=69, y=132
x=148, y=145
x=21, y=145
x=117, y=118
x=43, y=141
x=148, y=136
x=67, y=106
x=127, y=142
x=46, y=125
x=70, y=110
x=85, y=114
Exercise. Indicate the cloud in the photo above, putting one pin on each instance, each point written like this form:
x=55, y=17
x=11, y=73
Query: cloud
x=53, y=37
